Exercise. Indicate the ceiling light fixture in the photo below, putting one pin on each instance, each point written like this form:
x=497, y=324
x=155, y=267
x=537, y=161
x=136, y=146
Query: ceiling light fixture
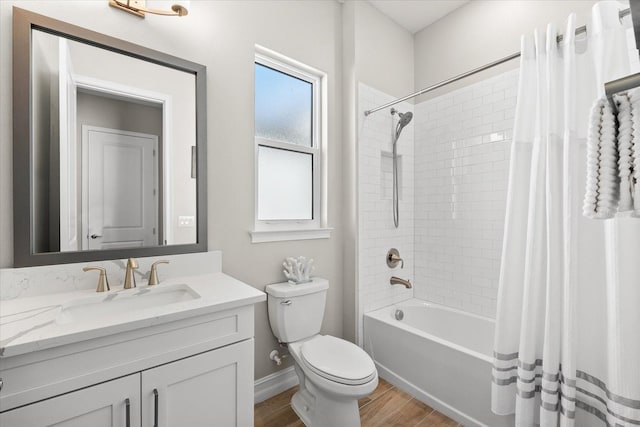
x=140, y=7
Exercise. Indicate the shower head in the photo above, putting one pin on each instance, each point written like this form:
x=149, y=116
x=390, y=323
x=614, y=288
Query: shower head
x=404, y=120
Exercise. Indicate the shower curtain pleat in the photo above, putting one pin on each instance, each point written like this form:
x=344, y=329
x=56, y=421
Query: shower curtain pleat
x=572, y=198
x=567, y=344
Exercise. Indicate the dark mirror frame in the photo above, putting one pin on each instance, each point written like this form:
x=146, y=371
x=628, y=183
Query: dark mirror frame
x=23, y=22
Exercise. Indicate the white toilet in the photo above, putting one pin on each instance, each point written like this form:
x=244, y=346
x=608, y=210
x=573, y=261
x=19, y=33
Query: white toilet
x=333, y=373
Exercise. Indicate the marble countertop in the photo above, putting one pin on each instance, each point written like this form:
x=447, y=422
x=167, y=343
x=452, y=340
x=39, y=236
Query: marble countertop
x=37, y=323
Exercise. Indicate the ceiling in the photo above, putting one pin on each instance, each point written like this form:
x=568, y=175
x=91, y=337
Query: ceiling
x=414, y=15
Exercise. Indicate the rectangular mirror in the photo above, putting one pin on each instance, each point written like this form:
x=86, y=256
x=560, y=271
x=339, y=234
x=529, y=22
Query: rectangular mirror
x=109, y=147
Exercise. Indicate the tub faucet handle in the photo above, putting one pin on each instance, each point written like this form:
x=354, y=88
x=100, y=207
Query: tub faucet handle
x=393, y=258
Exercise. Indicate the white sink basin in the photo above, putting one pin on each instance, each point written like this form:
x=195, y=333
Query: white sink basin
x=114, y=305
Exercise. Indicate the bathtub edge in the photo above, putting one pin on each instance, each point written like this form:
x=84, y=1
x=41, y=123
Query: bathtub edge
x=421, y=395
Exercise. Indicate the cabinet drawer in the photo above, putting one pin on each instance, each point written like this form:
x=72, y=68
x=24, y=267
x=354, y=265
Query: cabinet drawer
x=43, y=374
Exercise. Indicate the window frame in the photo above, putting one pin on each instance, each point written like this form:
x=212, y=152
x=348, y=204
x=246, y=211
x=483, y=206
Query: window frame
x=295, y=229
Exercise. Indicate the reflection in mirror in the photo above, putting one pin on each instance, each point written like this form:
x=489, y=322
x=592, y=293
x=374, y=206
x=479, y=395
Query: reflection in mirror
x=112, y=146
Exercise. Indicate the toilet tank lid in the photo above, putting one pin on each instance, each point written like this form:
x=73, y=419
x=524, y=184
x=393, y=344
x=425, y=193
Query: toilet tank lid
x=288, y=290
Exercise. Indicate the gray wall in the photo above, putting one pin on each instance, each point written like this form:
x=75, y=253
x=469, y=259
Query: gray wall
x=481, y=32
x=349, y=196
x=379, y=53
x=222, y=36
x=384, y=51
x=96, y=110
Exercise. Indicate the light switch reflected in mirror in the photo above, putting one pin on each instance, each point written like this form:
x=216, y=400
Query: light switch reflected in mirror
x=112, y=159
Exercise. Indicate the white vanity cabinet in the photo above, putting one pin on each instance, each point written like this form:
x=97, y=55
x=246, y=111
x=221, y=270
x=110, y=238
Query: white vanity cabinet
x=189, y=367
x=214, y=388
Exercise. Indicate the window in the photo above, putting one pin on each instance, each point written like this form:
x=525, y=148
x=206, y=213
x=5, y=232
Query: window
x=288, y=138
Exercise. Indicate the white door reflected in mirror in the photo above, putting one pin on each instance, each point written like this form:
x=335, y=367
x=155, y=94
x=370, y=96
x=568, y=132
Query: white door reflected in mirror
x=119, y=189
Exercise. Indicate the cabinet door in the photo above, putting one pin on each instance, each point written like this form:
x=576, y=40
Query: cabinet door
x=102, y=405
x=210, y=389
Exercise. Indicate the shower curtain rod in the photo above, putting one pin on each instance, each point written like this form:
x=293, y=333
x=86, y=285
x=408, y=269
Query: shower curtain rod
x=579, y=30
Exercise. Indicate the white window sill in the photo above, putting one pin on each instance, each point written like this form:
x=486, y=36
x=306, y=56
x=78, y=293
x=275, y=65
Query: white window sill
x=283, y=235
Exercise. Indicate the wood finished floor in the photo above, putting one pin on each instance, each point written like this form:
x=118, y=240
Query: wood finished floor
x=386, y=406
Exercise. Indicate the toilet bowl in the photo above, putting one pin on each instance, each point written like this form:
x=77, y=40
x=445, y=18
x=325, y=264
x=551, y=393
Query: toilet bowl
x=333, y=373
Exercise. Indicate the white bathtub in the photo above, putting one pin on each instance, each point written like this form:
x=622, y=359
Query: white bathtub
x=440, y=355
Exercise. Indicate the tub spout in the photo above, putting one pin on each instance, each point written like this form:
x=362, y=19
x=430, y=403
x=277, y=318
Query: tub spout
x=398, y=281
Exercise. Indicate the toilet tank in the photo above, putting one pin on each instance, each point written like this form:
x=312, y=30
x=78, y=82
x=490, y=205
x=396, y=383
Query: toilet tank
x=296, y=311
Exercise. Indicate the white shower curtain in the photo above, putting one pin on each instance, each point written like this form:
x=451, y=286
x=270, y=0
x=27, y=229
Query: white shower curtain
x=567, y=345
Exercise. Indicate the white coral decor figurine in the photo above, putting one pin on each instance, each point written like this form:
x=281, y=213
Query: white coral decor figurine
x=297, y=270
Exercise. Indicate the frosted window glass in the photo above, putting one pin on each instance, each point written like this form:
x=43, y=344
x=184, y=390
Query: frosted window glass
x=283, y=106
x=285, y=184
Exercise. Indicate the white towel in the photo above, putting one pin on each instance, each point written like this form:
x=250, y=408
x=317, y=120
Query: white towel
x=593, y=147
x=634, y=151
x=602, y=189
x=627, y=133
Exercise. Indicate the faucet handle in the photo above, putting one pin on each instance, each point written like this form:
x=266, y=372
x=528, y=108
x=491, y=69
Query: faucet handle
x=153, y=274
x=102, y=280
x=393, y=258
x=129, y=277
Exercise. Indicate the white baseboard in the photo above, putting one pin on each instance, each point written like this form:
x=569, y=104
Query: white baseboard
x=273, y=384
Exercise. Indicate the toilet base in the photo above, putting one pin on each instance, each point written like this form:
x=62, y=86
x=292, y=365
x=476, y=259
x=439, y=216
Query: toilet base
x=301, y=408
x=318, y=408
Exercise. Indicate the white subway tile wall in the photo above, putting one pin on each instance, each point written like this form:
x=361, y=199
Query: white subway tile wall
x=376, y=232
x=462, y=146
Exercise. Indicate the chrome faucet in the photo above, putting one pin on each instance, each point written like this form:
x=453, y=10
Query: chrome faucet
x=129, y=277
x=398, y=281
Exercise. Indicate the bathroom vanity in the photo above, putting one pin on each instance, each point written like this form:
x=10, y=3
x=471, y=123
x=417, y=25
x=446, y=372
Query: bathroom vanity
x=179, y=353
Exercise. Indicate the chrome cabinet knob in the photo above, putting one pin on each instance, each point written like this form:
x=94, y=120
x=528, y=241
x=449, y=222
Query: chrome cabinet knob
x=1, y=384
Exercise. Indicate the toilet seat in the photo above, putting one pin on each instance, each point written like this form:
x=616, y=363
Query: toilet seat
x=337, y=360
